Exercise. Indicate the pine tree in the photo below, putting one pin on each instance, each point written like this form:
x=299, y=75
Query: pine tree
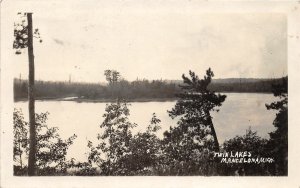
x=195, y=133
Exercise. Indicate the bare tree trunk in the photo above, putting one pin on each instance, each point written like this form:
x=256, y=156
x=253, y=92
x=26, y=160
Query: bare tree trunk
x=32, y=131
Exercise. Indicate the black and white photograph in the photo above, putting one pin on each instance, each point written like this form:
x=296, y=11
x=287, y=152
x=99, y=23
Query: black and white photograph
x=94, y=89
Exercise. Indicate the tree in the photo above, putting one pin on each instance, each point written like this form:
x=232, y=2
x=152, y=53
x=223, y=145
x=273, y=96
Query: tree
x=108, y=76
x=115, y=76
x=51, y=149
x=194, y=134
x=119, y=152
x=23, y=34
x=112, y=76
x=113, y=150
x=145, y=150
x=20, y=136
x=278, y=143
x=250, y=142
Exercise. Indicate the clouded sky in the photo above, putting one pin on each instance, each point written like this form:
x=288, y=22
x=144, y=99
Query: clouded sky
x=84, y=39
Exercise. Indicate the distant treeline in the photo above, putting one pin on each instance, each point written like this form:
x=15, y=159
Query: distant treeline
x=138, y=89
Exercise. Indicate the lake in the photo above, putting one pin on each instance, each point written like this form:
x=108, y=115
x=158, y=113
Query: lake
x=238, y=113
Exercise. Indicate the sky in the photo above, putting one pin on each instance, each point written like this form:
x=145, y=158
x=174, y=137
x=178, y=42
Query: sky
x=84, y=39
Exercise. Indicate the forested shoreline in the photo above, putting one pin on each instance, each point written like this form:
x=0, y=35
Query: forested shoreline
x=189, y=148
x=135, y=91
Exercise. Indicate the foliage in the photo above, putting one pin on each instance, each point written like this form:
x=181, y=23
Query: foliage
x=146, y=149
x=278, y=143
x=51, y=149
x=21, y=34
x=115, y=141
x=20, y=137
x=112, y=76
x=250, y=142
x=119, y=151
x=80, y=168
x=193, y=139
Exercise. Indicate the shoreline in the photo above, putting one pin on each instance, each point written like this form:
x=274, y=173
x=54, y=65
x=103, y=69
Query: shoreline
x=105, y=100
x=102, y=100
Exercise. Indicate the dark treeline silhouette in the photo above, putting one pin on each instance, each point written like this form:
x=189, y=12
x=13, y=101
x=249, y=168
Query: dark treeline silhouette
x=243, y=85
x=138, y=89
x=122, y=89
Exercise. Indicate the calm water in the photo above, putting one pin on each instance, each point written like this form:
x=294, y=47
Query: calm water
x=238, y=113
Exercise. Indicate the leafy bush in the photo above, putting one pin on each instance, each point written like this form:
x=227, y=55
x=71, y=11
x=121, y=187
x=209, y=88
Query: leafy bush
x=51, y=149
x=119, y=152
x=250, y=142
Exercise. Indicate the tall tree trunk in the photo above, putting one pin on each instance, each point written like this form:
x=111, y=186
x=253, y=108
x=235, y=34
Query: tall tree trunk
x=20, y=155
x=214, y=134
x=32, y=131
